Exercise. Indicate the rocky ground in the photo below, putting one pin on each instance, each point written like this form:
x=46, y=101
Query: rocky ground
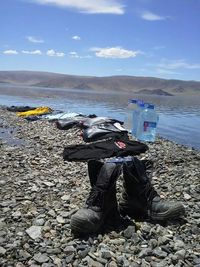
x=39, y=192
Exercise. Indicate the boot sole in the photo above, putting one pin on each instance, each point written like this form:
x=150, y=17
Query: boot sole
x=164, y=216
x=169, y=214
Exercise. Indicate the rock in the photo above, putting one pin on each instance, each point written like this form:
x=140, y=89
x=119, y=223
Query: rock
x=159, y=253
x=187, y=196
x=50, y=184
x=34, y=231
x=16, y=214
x=2, y=251
x=47, y=264
x=112, y=264
x=106, y=254
x=19, y=264
x=60, y=219
x=69, y=250
x=24, y=255
x=52, y=213
x=145, y=252
x=181, y=254
x=40, y=258
x=130, y=230
x=69, y=258
x=65, y=197
x=163, y=263
x=179, y=244
x=2, y=182
x=83, y=253
x=39, y=222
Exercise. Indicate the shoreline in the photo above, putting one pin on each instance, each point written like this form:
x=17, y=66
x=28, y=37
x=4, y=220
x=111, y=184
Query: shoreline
x=31, y=90
x=39, y=192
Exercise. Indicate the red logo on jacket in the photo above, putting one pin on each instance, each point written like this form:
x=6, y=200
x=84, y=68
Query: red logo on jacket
x=120, y=144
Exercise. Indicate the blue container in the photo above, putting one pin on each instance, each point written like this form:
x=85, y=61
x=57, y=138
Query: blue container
x=147, y=124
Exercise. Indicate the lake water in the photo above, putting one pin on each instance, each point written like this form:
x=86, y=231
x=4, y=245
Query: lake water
x=179, y=116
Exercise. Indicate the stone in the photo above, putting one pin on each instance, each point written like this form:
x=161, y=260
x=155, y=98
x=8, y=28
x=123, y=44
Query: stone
x=40, y=222
x=180, y=254
x=34, y=231
x=65, y=197
x=69, y=258
x=159, y=253
x=40, y=258
x=2, y=251
x=112, y=264
x=186, y=196
x=60, y=219
x=179, y=244
x=50, y=184
x=24, y=255
x=130, y=230
x=106, y=254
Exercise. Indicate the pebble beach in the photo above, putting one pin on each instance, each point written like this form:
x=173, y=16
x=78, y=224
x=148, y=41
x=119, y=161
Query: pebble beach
x=39, y=192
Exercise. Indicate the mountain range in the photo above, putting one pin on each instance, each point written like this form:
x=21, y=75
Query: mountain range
x=143, y=85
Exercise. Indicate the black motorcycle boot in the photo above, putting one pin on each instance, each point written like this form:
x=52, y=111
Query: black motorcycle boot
x=102, y=202
x=140, y=200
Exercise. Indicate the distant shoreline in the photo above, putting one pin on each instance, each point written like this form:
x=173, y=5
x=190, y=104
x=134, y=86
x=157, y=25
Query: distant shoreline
x=129, y=84
x=33, y=91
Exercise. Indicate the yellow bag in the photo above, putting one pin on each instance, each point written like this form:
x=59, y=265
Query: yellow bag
x=37, y=111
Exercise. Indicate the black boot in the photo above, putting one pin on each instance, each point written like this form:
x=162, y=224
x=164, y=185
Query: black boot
x=140, y=200
x=101, y=202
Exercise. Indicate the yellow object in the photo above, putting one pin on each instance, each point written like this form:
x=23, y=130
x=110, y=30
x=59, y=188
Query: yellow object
x=37, y=111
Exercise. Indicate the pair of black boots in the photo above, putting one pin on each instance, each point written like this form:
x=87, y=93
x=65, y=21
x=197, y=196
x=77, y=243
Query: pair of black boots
x=139, y=199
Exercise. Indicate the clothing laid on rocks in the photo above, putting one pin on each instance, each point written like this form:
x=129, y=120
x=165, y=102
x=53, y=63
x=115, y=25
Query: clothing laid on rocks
x=104, y=149
x=89, y=124
x=61, y=116
x=67, y=124
x=99, y=121
x=103, y=131
x=55, y=115
x=20, y=108
x=37, y=111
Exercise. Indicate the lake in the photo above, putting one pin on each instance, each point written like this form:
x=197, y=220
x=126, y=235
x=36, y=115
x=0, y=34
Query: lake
x=179, y=116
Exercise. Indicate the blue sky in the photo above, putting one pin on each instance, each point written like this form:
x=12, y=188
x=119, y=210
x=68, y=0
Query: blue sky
x=154, y=38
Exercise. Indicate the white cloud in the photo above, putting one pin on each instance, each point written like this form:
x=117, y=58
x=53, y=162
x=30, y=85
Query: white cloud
x=88, y=6
x=33, y=39
x=76, y=37
x=74, y=54
x=177, y=64
x=10, y=52
x=34, y=52
x=53, y=53
x=147, y=15
x=115, y=52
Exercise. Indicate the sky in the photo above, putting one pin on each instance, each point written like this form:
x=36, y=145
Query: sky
x=153, y=38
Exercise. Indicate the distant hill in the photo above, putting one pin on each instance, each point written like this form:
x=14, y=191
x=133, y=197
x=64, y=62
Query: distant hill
x=145, y=85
